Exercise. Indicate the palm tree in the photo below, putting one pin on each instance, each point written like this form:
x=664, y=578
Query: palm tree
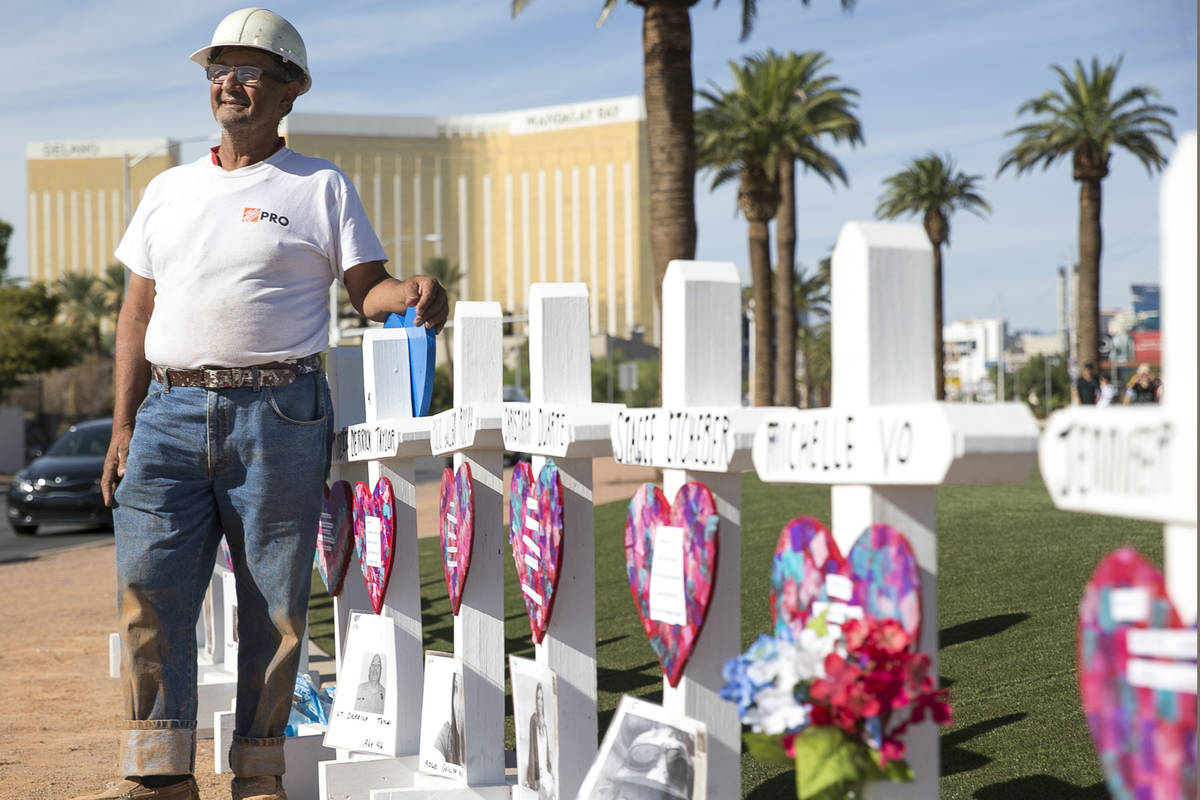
x=83, y=304
x=810, y=293
x=742, y=134
x=818, y=108
x=930, y=187
x=449, y=276
x=670, y=135
x=1083, y=120
x=113, y=286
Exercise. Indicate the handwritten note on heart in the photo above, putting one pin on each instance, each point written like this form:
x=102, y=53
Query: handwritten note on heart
x=535, y=533
x=335, y=535
x=375, y=536
x=1137, y=679
x=686, y=530
x=879, y=577
x=457, y=526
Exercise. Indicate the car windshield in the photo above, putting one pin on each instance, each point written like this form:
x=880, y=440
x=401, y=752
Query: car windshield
x=91, y=441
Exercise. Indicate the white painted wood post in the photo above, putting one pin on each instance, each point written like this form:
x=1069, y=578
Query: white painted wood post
x=388, y=394
x=384, y=443
x=471, y=430
x=1140, y=462
x=884, y=444
x=561, y=421
x=878, y=271
x=702, y=433
x=1177, y=237
x=344, y=371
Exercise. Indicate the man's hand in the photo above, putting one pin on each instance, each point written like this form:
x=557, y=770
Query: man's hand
x=114, y=462
x=431, y=301
x=375, y=294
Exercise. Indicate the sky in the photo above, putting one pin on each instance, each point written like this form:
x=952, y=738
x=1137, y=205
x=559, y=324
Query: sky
x=938, y=75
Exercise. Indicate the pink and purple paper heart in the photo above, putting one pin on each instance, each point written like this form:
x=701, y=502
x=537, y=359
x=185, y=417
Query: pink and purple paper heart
x=456, y=525
x=675, y=625
x=535, y=533
x=375, y=536
x=879, y=578
x=335, y=535
x=1142, y=724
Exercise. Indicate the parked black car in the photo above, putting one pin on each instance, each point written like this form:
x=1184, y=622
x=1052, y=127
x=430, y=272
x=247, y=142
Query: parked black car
x=63, y=486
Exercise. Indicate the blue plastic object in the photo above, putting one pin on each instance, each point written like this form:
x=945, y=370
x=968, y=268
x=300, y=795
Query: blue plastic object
x=422, y=358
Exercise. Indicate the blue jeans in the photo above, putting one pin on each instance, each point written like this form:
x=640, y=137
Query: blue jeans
x=248, y=464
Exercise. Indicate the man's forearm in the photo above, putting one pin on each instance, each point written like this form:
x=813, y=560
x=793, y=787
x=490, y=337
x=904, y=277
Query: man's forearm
x=131, y=371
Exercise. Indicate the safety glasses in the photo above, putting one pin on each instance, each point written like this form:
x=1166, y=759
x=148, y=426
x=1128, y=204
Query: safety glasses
x=246, y=75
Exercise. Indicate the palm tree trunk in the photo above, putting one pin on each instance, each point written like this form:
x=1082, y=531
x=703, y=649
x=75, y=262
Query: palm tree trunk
x=939, y=351
x=785, y=287
x=1087, y=301
x=760, y=277
x=670, y=138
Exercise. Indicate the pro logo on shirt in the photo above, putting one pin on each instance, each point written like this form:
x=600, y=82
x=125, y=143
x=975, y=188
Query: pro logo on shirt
x=258, y=215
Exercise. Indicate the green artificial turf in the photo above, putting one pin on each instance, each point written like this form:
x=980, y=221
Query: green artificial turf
x=1011, y=572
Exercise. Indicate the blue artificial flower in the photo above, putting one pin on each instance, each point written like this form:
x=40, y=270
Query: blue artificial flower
x=740, y=685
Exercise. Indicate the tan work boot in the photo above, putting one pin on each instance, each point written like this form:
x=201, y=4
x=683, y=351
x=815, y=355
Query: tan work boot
x=132, y=789
x=264, y=787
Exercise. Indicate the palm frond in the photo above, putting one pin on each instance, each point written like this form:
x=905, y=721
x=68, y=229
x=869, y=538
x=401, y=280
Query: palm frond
x=1082, y=119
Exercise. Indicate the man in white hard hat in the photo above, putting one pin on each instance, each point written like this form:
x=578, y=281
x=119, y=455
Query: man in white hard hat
x=219, y=341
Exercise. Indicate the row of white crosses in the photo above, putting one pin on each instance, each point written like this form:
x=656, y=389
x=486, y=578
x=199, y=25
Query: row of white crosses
x=883, y=446
x=386, y=443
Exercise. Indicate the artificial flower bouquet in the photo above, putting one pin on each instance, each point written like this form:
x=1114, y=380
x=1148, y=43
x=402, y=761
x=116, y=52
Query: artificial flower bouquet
x=834, y=702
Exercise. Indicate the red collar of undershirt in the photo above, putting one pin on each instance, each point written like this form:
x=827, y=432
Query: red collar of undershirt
x=279, y=144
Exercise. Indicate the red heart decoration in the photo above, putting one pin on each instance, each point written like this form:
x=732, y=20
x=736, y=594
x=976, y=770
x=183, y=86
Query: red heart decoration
x=805, y=554
x=535, y=533
x=335, y=535
x=1142, y=720
x=675, y=625
x=375, y=536
x=457, y=526
x=879, y=578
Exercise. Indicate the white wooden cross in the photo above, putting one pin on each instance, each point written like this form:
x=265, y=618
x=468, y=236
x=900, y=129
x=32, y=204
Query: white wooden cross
x=702, y=433
x=377, y=436
x=562, y=422
x=884, y=445
x=1140, y=462
x=471, y=431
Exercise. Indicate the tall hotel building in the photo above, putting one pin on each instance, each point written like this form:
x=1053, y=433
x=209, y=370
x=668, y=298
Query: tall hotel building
x=548, y=194
x=80, y=194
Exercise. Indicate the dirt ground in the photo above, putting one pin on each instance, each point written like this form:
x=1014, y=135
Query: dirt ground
x=61, y=712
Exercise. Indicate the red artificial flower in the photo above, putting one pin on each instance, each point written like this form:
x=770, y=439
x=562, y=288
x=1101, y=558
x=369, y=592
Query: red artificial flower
x=889, y=637
x=855, y=632
x=892, y=750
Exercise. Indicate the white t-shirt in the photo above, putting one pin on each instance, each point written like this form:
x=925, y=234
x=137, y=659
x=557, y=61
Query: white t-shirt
x=242, y=260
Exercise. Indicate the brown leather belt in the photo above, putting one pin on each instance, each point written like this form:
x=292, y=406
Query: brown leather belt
x=276, y=373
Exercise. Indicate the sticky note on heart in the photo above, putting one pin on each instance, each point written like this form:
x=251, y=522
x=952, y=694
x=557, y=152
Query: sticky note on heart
x=456, y=525
x=672, y=615
x=535, y=514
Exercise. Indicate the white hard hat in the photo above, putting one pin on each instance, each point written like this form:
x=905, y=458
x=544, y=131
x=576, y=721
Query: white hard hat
x=259, y=29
